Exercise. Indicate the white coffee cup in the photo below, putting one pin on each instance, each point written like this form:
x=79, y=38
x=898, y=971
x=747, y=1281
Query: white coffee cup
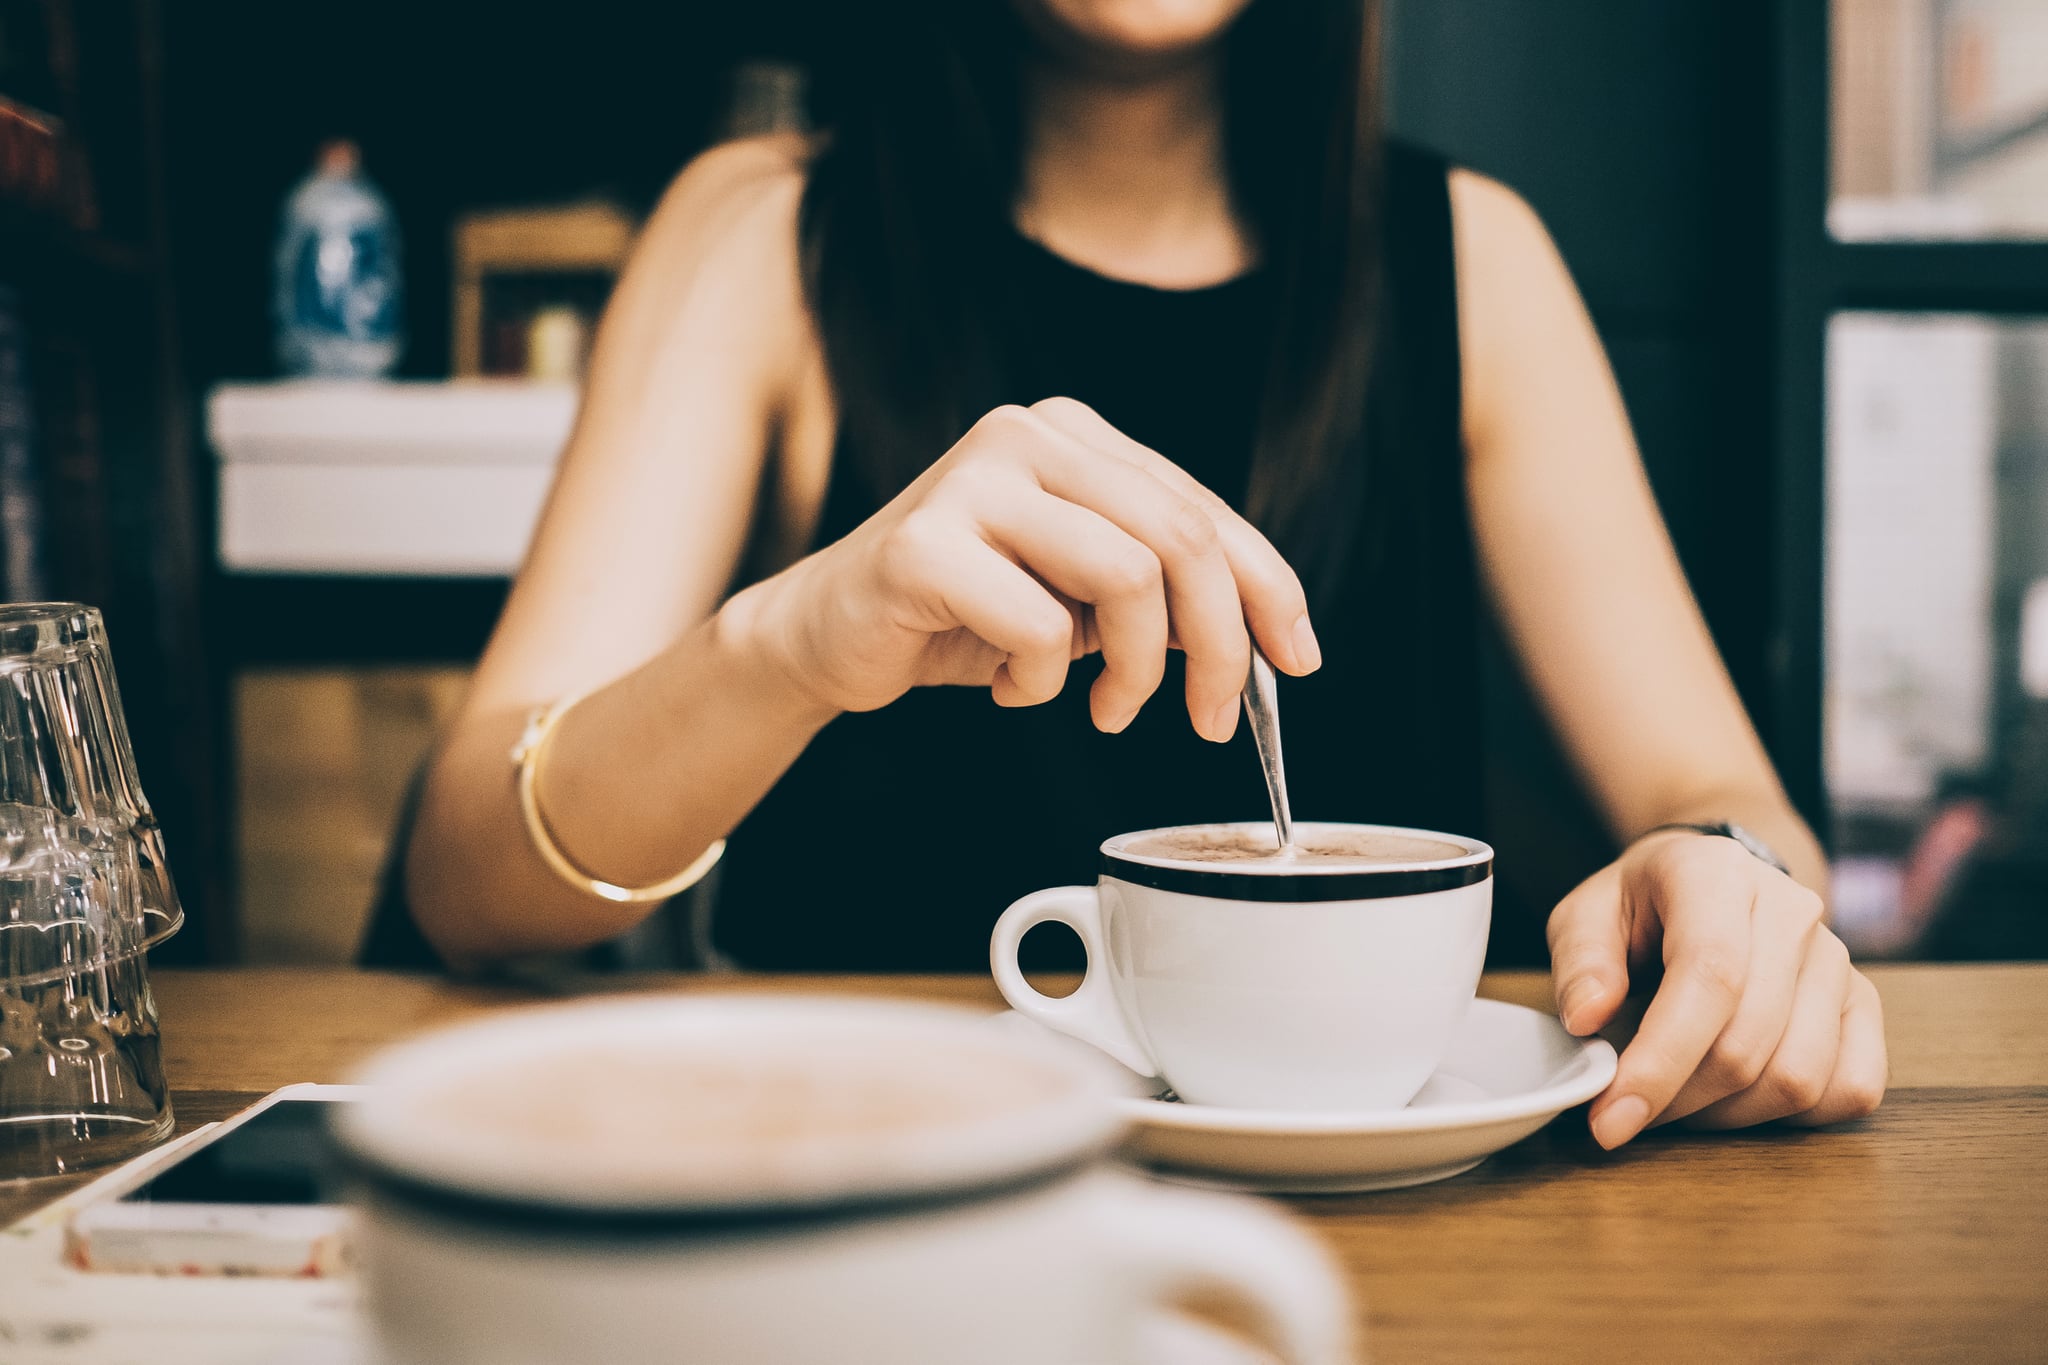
x=1310, y=984
x=743, y=1179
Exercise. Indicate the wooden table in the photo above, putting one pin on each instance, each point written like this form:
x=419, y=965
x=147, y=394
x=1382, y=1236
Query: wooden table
x=1916, y=1234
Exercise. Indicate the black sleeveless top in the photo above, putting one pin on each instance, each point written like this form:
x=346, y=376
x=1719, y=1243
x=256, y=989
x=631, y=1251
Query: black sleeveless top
x=899, y=835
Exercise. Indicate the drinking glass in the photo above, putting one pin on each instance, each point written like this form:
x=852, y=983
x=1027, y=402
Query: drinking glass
x=84, y=893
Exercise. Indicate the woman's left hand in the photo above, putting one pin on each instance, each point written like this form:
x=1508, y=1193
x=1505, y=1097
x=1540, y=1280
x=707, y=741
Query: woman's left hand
x=1759, y=1015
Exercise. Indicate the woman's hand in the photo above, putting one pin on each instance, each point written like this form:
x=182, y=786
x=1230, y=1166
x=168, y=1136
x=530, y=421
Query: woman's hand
x=1044, y=534
x=1759, y=1015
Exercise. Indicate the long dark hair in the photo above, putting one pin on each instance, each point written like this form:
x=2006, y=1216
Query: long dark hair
x=910, y=198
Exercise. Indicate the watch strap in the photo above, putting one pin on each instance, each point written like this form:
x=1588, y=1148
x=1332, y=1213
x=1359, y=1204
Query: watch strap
x=1726, y=829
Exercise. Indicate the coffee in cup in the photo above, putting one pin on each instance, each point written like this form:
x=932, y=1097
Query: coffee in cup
x=730, y=1179
x=1319, y=846
x=1330, y=977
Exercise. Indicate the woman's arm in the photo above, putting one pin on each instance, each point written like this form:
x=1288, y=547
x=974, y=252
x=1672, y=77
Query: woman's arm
x=1577, y=559
x=1758, y=1014
x=695, y=363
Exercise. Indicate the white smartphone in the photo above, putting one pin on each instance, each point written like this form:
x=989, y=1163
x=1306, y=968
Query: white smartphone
x=253, y=1195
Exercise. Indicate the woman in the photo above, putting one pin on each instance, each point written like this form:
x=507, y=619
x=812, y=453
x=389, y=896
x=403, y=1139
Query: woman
x=984, y=395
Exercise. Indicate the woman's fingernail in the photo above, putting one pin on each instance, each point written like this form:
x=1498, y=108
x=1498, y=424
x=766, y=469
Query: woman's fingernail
x=1307, y=652
x=1578, y=994
x=1620, y=1121
x=1223, y=724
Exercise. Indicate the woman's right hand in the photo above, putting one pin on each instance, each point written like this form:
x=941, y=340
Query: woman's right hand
x=1044, y=534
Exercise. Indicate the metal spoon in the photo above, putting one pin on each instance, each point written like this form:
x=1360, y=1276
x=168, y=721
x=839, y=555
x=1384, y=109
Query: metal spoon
x=1262, y=709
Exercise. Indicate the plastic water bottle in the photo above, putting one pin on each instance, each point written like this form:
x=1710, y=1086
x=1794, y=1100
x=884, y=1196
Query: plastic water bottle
x=337, y=296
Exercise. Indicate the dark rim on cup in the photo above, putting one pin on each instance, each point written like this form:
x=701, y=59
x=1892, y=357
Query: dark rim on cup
x=659, y=1222
x=1238, y=883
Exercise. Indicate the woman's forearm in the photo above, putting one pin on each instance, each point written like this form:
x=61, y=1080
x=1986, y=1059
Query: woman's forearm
x=639, y=778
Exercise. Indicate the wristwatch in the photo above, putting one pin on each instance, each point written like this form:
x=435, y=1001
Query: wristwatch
x=1728, y=829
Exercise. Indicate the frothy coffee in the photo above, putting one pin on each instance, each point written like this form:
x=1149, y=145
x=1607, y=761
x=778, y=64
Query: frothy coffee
x=638, y=1104
x=724, y=1103
x=1317, y=847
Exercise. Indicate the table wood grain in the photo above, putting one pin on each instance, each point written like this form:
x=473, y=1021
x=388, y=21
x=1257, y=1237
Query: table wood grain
x=1916, y=1234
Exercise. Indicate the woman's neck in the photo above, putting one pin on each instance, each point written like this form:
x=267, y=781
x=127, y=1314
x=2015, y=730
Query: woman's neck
x=1127, y=177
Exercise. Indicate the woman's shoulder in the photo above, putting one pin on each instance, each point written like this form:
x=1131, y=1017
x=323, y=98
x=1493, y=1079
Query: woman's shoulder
x=749, y=163
x=720, y=249
x=1431, y=198
x=1515, y=296
x=1491, y=209
x=1498, y=236
x=1418, y=174
x=734, y=190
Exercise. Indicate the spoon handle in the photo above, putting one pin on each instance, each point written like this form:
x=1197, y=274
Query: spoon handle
x=1262, y=709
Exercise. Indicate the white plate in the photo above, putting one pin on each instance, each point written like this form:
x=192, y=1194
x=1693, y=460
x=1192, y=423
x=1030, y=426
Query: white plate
x=1509, y=1071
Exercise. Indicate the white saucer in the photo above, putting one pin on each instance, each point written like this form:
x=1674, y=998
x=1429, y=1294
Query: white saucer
x=1509, y=1071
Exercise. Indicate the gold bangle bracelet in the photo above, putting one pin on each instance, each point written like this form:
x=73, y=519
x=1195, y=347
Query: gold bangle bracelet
x=526, y=761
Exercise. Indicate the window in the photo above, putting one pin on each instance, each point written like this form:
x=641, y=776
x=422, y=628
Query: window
x=1935, y=607
x=1940, y=113
x=1908, y=709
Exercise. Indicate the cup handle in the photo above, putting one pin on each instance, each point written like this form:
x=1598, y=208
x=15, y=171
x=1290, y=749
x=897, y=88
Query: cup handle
x=1187, y=1245
x=1090, y=1013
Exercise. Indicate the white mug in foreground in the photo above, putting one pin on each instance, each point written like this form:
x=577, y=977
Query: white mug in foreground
x=731, y=1180
x=1309, y=984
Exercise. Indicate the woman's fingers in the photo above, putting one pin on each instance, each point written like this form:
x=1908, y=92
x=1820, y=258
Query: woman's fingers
x=1588, y=935
x=1803, y=1063
x=1089, y=560
x=1781, y=933
x=1201, y=591
x=1703, y=900
x=1158, y=560
x=949, y=578
x=1759, y=1015
x=1862, y=1067
x=1273, y=603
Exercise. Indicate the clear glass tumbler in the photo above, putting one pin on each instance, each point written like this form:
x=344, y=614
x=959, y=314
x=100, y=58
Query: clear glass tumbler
x=84, y=893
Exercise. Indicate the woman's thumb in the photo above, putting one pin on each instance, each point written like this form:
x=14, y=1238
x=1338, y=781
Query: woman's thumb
x=1589, y=954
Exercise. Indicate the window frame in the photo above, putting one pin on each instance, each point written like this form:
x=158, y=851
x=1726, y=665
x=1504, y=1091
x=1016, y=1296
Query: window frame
x=1817, y=277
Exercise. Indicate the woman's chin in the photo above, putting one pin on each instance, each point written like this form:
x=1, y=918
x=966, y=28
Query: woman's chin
x=1132, y=37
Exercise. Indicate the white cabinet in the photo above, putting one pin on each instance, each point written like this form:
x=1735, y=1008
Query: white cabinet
x=384, y=478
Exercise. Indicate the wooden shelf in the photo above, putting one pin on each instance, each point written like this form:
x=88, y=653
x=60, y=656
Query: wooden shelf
x=593, y=236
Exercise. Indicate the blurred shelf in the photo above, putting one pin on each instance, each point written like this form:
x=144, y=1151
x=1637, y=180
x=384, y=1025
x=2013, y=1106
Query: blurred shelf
x=383, y=479
x=36, y=236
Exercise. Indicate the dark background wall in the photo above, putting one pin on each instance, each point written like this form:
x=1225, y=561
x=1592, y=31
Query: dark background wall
x=1640, y=133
